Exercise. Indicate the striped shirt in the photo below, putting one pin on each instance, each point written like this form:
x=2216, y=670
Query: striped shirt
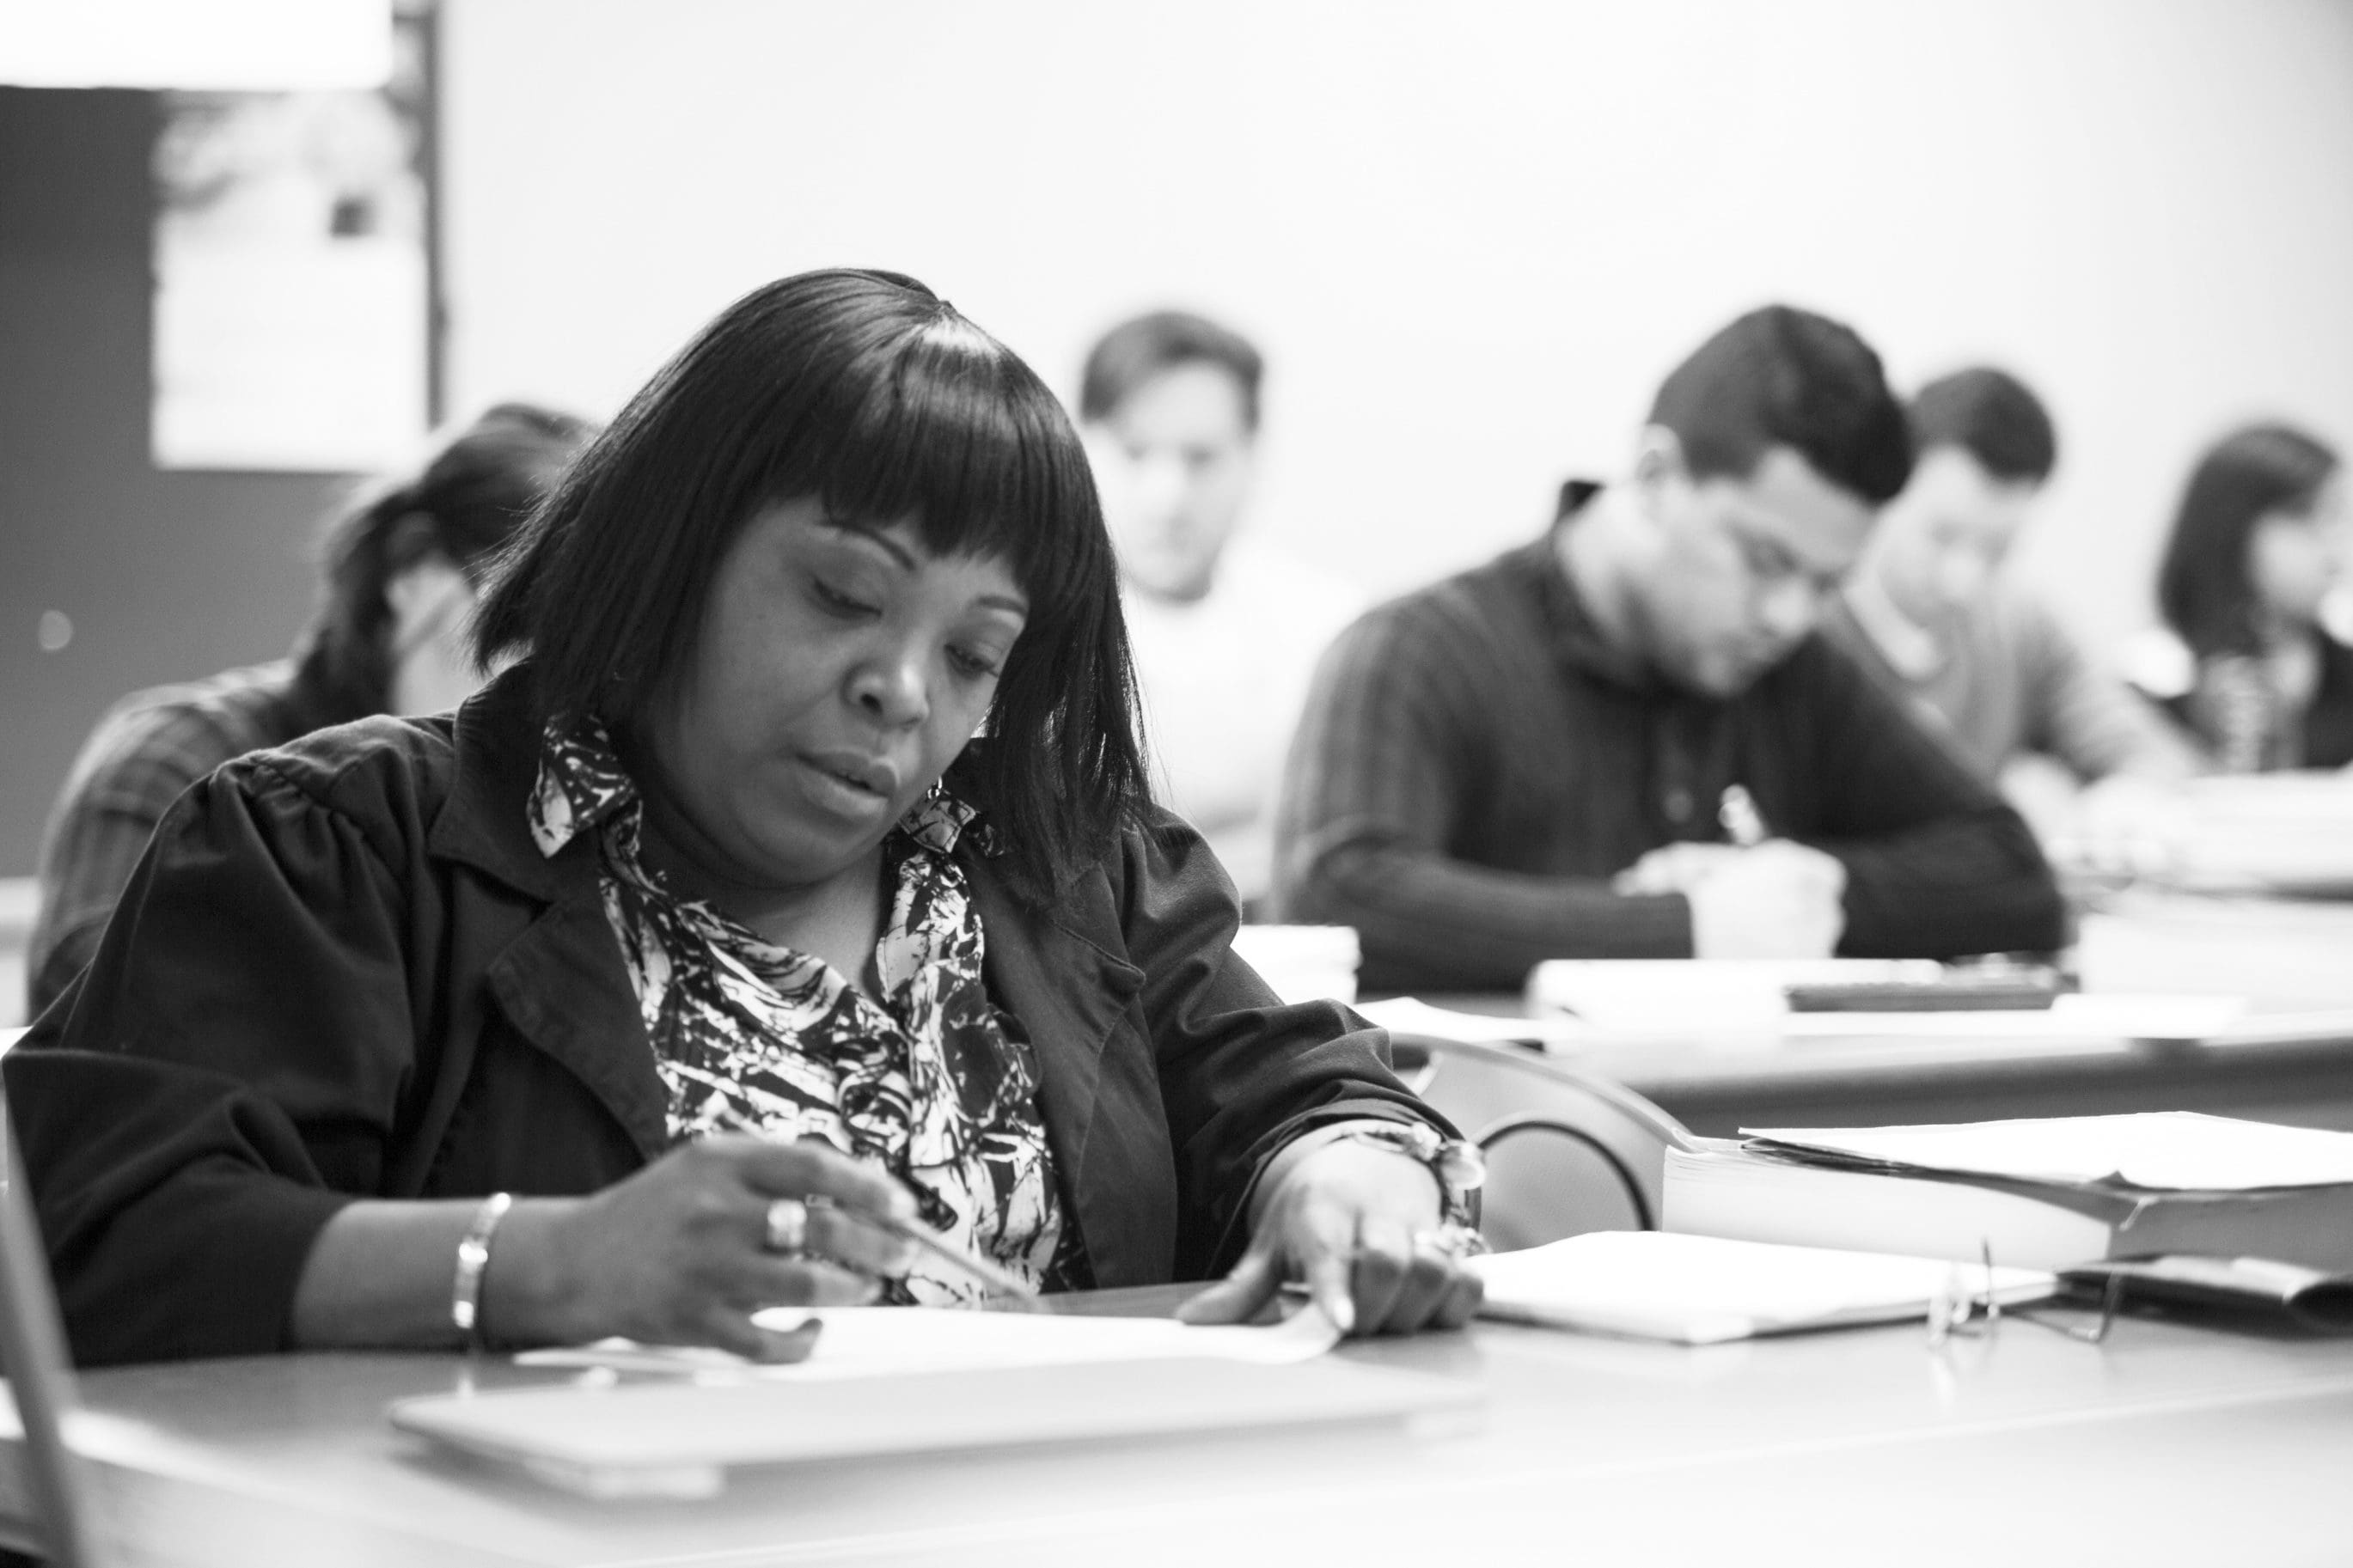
x=1476, y=762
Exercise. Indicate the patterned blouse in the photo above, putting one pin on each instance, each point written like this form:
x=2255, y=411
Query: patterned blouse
x=930, y=1080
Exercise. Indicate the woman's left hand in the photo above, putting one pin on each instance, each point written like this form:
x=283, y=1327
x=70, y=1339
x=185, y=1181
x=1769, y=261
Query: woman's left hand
x=1359, y=1226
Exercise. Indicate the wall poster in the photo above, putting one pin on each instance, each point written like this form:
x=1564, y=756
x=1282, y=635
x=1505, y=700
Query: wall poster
x=292, y=269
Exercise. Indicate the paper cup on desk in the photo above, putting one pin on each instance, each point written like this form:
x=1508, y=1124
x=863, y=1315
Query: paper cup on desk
x=1304, y=963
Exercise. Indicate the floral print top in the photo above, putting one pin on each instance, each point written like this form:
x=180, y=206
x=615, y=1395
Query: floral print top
x=932, y=1080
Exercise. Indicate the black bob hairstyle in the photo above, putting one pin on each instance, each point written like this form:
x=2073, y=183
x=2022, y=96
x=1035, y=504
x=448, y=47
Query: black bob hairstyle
x=2203, y=588
x=1779, y=377
x=869, y=392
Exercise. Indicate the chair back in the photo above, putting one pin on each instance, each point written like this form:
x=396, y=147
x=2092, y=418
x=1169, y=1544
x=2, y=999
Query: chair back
x=1565, y=1153
x=40, y=1378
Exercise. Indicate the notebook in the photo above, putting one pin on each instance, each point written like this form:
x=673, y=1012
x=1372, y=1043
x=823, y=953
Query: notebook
x=1700, y=1289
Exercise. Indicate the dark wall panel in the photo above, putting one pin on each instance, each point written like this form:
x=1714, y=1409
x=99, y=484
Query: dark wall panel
x=162, y=575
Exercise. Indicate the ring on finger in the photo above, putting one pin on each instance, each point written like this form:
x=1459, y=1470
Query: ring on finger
x=1452, y=1241
x=785, y=1230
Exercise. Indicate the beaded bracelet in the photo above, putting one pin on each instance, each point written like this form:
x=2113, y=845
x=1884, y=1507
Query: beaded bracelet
x=473, y=1260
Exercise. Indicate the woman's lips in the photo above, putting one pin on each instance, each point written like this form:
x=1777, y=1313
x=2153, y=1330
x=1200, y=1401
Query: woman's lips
x=854, y=782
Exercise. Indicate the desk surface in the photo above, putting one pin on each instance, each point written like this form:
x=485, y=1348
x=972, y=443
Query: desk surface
x=2288, y=957
x=2171, y=1443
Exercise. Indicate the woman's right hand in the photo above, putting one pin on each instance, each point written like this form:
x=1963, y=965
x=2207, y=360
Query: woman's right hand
x=678, y=1253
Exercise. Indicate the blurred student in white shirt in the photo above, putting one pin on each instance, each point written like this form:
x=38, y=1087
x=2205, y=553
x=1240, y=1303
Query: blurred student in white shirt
x=1225, y=629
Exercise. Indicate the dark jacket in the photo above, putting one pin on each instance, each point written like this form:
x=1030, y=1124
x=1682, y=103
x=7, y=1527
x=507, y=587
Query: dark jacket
x=344, y=970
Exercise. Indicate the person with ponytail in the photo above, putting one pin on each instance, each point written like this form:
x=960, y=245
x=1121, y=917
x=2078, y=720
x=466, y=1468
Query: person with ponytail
x=389, y=636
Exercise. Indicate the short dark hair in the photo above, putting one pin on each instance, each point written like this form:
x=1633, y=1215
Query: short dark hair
x=472, y=490
x=1779, y=377
x=1134, y=352
x=1991, y=415
x=869, y=392
x=2203, y=588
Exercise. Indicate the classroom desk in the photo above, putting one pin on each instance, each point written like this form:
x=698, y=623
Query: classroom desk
x=2168, y=1444
x=2289, y=957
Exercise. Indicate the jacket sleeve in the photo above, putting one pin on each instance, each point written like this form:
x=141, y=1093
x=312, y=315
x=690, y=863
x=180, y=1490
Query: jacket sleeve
x=1936, y=865
x=1241, y=1074
x=1390, y=759
x=223, y=1078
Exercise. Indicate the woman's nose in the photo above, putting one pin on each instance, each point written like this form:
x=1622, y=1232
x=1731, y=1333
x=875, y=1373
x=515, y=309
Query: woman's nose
x=893, y=689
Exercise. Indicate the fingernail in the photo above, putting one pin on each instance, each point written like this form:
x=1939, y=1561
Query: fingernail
x=1343, y=1313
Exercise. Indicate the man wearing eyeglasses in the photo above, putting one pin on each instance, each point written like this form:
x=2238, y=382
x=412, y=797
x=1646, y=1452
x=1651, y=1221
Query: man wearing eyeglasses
x=1623, y=738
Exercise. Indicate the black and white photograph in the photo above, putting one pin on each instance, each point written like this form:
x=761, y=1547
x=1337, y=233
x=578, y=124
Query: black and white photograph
x=1261, y=782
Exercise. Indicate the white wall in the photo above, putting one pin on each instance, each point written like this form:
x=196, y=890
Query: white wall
x=1470, y=237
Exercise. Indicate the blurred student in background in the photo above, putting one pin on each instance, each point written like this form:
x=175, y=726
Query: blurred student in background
x=2265, y=678
x=1225, y=630
x=1622, y=740
x=1978, y=659
x=390, y=635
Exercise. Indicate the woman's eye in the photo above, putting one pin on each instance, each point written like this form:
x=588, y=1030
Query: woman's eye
x=979, y=666
x=834, y=599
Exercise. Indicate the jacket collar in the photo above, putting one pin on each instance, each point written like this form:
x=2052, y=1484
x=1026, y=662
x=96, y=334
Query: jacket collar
x=560, y=981
x=486, y=823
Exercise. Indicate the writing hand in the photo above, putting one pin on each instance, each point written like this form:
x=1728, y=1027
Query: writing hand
x=1779, y=899
x=680, y=1252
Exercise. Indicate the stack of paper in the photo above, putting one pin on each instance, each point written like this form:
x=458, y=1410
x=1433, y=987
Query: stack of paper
x=879, y=1342
x=886, y=1380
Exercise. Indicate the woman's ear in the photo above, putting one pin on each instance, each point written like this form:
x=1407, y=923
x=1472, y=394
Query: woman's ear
x=1659, y=460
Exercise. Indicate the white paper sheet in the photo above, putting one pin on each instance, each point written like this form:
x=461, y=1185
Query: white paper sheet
x=1411, y=1016
x=1703, y=1290
x=2167, y=1151
x=872, y=1341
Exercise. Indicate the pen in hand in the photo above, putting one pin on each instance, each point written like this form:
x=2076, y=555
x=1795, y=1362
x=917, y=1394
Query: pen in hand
x=922, y=1236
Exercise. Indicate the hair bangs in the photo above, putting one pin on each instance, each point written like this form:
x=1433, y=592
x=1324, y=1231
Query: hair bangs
x=954, y=432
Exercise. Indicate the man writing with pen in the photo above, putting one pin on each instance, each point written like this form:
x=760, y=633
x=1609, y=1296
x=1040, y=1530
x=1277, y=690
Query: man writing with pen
x=1623, y=740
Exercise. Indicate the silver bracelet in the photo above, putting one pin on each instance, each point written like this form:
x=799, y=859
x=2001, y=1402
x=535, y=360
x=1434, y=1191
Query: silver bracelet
x=473, y=1258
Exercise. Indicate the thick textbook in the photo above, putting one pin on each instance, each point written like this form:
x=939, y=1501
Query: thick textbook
x=1725, y=1188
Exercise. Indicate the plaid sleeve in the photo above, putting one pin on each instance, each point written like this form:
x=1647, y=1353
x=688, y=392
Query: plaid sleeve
x=130, y=772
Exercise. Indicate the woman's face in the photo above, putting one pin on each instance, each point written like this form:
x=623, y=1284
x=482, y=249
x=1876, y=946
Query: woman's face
x=842, y=668
x=2295, y=559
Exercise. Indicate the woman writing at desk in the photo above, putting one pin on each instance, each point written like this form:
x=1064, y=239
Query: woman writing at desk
x=721, y=852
